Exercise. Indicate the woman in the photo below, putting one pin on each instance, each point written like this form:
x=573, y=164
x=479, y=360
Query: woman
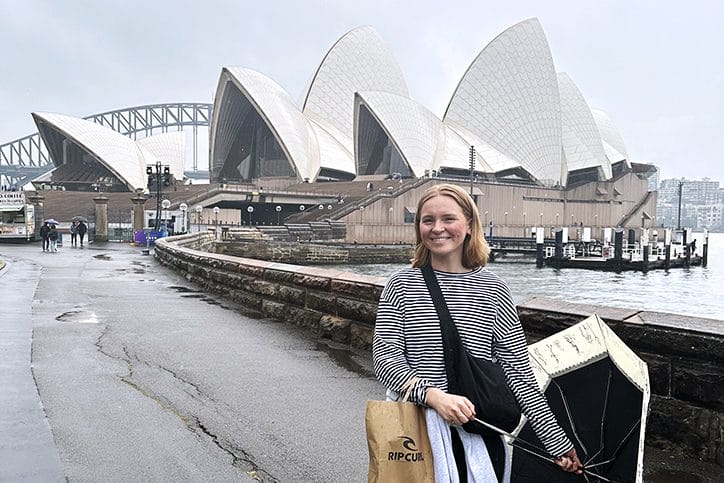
x=74, y=233
x=407, y=341
x=53, y=236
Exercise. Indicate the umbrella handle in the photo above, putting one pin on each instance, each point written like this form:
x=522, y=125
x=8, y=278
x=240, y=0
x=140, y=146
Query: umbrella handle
x=548, y=458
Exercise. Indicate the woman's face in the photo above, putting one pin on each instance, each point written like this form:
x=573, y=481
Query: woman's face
x=443, y=228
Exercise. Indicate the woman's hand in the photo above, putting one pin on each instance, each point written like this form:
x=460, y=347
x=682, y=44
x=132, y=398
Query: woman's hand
x=569, y=462
x=452, y=408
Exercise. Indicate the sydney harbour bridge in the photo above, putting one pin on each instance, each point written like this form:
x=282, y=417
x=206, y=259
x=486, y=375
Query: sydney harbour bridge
x=26, y=158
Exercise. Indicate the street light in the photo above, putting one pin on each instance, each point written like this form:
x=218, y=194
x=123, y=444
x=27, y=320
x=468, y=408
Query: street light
x=198, y=210
x=159, y=175
x=184, y=208
x=250, y=210
x=541, y=219
x=165, y=204
x=278, y=208
x=216, y=222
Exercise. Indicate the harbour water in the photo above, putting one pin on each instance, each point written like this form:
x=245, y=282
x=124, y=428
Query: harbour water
x=695, y=291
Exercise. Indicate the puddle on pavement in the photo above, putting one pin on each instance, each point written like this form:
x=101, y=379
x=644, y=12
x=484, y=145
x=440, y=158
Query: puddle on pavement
x=78, y=316
x=191, y=293
x=102, y=256
x=344, y=358
x=181, y=289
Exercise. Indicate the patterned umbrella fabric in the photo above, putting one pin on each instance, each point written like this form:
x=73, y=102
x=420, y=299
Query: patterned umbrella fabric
x=598, y=388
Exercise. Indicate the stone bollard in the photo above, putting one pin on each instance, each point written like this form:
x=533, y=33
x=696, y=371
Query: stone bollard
x=101, y=218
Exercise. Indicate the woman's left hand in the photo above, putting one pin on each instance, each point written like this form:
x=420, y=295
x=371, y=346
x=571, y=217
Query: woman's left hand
x=569, y=462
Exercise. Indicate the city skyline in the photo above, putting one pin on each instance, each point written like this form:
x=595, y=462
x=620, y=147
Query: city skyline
x=660, y=83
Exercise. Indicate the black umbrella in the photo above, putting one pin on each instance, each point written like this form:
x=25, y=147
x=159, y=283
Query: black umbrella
x=599, y=391
x=80, y=218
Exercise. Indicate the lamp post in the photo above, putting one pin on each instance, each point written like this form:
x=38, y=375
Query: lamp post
x=486, y=217
x=198, y=210
x=165, y=204
x=158, y=175
x=250, y=210
x=472, y=168
x=556, y=219
x=184, y=209
x=278, y=209
x=678, y=219
x=506, y=218
x=541, y=219
x=216, y=221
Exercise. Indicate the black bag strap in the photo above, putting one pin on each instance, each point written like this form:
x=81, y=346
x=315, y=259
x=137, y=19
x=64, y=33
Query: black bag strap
x=451, y=343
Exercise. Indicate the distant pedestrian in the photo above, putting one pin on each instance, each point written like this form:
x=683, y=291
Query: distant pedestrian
x=74, y=233
x=82, y=229
x=44, y=231
x=53, y=237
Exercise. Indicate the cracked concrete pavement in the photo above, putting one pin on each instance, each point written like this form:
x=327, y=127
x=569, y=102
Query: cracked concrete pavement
x=144, y=378
x=138, y=376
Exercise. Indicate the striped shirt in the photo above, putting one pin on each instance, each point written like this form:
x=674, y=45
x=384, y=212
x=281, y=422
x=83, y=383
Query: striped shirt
x=408, y=340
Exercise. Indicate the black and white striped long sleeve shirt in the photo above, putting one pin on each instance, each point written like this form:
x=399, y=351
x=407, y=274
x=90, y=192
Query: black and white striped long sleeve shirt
x=408, y=341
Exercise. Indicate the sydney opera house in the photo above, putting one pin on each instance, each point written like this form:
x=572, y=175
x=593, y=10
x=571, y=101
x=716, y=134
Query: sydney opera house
x=519, y=132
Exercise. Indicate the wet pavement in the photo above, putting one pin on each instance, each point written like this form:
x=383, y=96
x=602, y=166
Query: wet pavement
x=139, y=376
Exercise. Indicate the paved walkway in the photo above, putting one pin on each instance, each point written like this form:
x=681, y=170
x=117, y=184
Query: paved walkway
x=55, y=352
x=27, y=450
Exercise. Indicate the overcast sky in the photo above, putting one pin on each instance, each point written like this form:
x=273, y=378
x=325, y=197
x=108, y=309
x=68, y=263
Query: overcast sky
x=656, y=67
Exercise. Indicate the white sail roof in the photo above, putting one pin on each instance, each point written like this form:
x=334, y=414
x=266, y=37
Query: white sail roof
x=581, y=138
x=358, y=61
x=120, y=154
x=291, y=129
x=168, y=148
x=612, y=140
x=508, y=100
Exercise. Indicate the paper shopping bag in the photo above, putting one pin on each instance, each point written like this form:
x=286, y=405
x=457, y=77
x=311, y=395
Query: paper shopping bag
x=398, y=443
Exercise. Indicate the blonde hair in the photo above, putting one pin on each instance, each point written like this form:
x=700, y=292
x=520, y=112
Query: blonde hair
x=475, y=248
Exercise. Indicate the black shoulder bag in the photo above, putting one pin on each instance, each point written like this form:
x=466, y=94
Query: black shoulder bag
x=480, y=380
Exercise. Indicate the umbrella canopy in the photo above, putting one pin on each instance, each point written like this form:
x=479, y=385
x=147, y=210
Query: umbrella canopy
x=599, y=391
x=80, y=218
x=52, y=221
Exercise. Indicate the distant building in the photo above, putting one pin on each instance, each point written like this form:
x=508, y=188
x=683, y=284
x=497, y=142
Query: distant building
x=512, y=116
x=654, y=179
x=701, y=203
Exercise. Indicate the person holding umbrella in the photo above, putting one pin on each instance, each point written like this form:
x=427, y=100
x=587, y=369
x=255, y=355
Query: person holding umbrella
x=44, y=230
x=53, y=237
x=74, y=233
x=407, y=340
x=81, y=229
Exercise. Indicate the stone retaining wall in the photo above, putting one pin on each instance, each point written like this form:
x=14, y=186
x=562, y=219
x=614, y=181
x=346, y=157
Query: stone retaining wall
x=686, y=365
x=315, y=253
